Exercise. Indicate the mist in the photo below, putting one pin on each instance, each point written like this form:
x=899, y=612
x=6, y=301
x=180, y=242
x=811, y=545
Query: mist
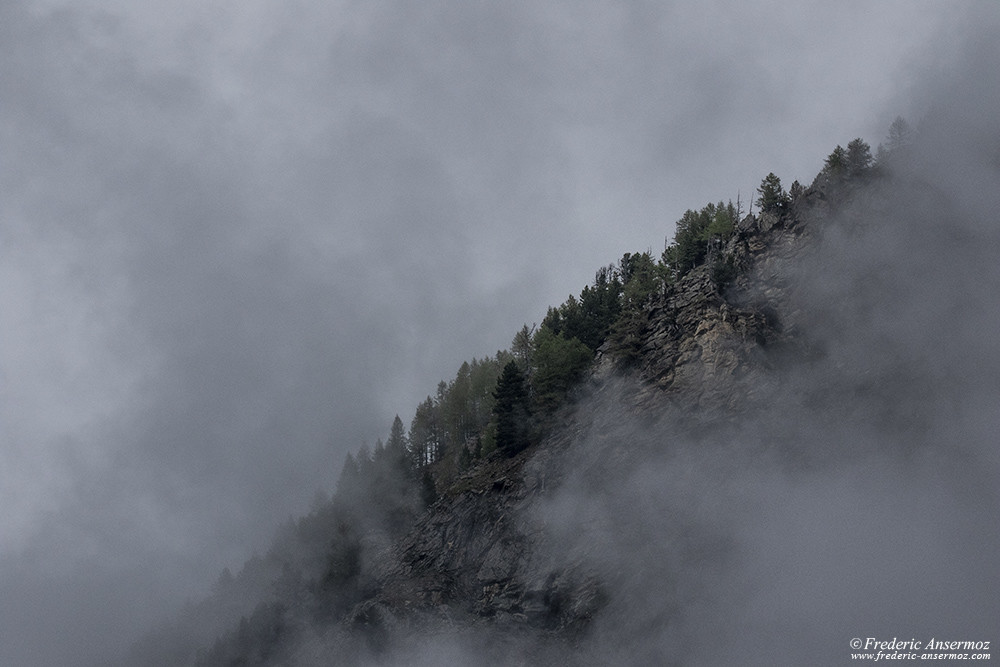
x=858, y=496
x=235, y=240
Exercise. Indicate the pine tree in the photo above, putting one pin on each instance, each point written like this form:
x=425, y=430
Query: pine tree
x=772, y=197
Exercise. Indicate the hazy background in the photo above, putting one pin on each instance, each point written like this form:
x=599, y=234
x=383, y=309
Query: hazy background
x=237, y=238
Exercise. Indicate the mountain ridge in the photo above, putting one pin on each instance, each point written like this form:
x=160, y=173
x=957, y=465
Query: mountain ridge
x=778, y=366
x=477, y=558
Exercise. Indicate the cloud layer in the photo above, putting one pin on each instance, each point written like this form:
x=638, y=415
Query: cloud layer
x=236, y=239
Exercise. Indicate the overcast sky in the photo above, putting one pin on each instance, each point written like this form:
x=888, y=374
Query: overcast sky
x=236, y=238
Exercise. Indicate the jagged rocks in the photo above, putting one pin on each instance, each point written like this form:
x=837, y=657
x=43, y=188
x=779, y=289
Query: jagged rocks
x=699, y=344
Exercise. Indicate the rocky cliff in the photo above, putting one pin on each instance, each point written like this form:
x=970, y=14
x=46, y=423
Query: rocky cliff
x=807, y=413
x=647, y=518
x=486, y=557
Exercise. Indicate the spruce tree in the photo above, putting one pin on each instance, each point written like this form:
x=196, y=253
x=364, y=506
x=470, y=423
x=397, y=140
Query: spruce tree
x=510, y=410
x=396, y=446
x=836, y=162
x=859, y=157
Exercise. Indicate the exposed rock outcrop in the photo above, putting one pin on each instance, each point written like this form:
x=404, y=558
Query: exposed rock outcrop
x=480, y=556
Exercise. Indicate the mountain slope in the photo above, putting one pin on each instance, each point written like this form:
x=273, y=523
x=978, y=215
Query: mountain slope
x=804, y=428
x=483, y=557
x=765, y=426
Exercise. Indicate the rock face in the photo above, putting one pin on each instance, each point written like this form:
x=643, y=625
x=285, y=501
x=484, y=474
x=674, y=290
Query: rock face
x=707, y=344
x=475, y=557
x=482, y=557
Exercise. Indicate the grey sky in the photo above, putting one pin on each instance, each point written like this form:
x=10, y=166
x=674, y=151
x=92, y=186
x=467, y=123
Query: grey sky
x=237, y=237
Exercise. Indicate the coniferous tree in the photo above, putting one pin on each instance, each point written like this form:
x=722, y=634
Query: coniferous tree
x=722, y=222
x=772, y=197
x=696, y=231
x=425, y=434
x=553, y=320
x=483, y=380
x=598, y=309
x=642, y=280
x=836, y=162
x=569, y=317
x=511, y=410
x=689, y=247
x=559, y=364
x=795, y=190
x=639, y=278
x=395, y=446
x=859, y=157
x=456, y=408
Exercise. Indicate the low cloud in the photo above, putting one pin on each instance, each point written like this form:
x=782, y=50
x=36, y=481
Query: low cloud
x=237, y=240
